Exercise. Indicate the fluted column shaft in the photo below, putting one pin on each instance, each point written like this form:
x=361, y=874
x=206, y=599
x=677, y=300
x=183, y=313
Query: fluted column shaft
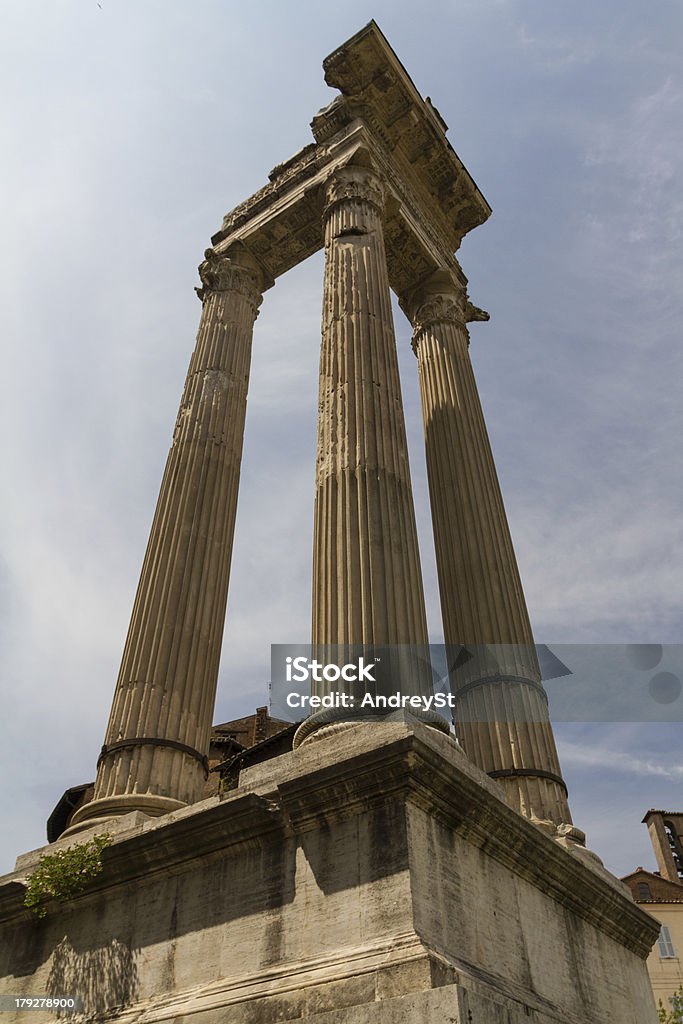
x=158, y=734
x=367, y=581
x=503, y=723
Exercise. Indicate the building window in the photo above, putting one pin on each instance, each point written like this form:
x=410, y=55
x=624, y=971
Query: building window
x=644, y=891
x=676, y=851
x=665, y=945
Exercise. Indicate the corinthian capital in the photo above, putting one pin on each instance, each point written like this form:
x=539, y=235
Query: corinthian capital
x=438, y=309
x=239, y=272
x=354, y=183
x=441, y=299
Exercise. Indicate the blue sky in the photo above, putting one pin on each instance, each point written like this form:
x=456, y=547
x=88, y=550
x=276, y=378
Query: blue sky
x=131, y=129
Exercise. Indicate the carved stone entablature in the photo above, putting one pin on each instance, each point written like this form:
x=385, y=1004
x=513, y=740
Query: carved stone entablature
x=330, y=120
x=444, y=201
x=282, y=224
x=238, y=272
x=357, y=184
x=380, y=111
x=375, y=88
x=299, y=167
x=292, y=167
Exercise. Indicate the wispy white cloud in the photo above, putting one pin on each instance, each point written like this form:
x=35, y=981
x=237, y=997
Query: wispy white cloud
x=620, y=761
x=557, y=52
x=599, y=567
x=640, y=155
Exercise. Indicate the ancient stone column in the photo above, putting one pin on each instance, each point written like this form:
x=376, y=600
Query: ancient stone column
x=154, y=757
x=502, y=711
x=367, y=581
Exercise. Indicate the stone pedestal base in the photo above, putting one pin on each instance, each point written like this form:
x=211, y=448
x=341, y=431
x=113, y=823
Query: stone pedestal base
x=372, y=876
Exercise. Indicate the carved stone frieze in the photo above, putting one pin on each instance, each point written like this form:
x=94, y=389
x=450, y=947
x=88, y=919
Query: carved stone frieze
x=302, y=165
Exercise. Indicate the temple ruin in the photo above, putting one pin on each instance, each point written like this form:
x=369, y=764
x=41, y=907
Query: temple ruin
x=382, y=873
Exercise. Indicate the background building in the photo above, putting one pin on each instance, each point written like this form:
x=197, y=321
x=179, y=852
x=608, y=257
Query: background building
x=661, y=894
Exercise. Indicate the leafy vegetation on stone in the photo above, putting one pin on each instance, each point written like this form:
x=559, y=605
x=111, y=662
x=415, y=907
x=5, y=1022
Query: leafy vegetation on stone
x=674, y=1015
x=64, y=874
